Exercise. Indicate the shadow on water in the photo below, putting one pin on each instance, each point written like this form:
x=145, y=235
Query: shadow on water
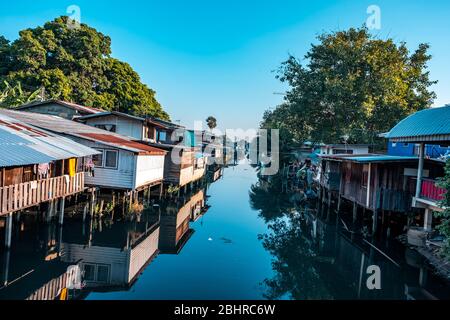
x=315, y=255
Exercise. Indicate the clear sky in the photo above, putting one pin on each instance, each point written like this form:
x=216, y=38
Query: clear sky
x=217, y=57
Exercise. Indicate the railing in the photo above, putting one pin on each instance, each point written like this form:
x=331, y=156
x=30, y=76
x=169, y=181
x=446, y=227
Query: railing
x=24, y=195
x=431, y=191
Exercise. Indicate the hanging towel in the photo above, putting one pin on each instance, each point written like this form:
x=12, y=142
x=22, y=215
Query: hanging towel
x=72, y=167
x=43, y=170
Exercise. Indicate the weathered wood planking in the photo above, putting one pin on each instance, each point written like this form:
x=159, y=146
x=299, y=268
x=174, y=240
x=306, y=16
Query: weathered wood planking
x=28, y=194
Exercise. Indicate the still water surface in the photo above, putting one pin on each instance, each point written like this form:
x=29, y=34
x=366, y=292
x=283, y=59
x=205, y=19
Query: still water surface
x=238, y=238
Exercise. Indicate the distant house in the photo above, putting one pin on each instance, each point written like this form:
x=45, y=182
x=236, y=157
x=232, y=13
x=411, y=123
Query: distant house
x=63, y=109
x=173, y=138
x=122, y=163
x=334, y=149
x=432, y=127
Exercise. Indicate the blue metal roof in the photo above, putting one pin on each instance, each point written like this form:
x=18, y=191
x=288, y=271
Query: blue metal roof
x=22, y=144
x=425, y=123
x=381, y=158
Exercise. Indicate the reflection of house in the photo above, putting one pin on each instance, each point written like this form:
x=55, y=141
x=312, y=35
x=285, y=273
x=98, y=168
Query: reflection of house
x=175, y=222
x=431, y=126
x=175, y=139
x=59, y=108
x=113, y=257
x=31, y=269
x=122, y=164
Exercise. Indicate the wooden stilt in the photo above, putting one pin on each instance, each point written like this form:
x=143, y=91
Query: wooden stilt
x=355, y=212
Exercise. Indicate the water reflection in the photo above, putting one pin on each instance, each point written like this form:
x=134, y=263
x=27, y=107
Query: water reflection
x=254, y=242
x=315, y=258
x=110, y=249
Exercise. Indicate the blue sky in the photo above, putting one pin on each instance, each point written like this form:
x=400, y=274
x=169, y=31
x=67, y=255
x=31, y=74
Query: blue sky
x=217, y=57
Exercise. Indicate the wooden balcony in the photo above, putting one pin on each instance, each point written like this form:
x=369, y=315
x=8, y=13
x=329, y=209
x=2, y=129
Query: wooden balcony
x=432, y=192
x=24, y=195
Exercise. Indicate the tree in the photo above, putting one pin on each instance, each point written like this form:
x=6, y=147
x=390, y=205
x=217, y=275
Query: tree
x=352, y=85
x=211, y=122
x=444, y=227
x=75, y=64
x=15, y=95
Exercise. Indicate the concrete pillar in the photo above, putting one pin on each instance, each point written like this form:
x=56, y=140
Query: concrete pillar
x=62, y=207
x=428, y=220
x=420, y=170
x=8, y=230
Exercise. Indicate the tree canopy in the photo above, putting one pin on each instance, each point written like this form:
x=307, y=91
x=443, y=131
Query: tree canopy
x=75, y=64
x=351, y=86
x=211, y=122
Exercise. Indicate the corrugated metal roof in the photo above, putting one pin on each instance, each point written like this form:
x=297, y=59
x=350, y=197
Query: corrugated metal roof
x=110, y=113
x=155, y=121
x=76, y=129
x=381, y=158
x=368, y=158
x=116, y=141
x=22, y=144
x=75, y=106
x=425, y=123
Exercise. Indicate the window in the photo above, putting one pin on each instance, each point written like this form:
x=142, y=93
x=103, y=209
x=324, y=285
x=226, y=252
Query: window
x=107, y=127
x=96, y=272
x=89, y=272
x=111, y=159
x=98, y=159
x=162, y=136
x=108, y=159
x=102, y=273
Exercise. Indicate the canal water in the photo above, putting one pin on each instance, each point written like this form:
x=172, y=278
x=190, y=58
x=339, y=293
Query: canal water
x=236, y=238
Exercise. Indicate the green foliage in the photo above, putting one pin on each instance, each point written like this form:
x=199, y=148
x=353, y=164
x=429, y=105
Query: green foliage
x=75, y=64
x=352, y=88
x=15, y=95
x=211, y=122
x=444, y=227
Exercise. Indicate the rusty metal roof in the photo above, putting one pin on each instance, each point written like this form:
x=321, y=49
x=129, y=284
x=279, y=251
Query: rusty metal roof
x=23, y=144
x=71, y=105
x=117, y=141
x=76, y=129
